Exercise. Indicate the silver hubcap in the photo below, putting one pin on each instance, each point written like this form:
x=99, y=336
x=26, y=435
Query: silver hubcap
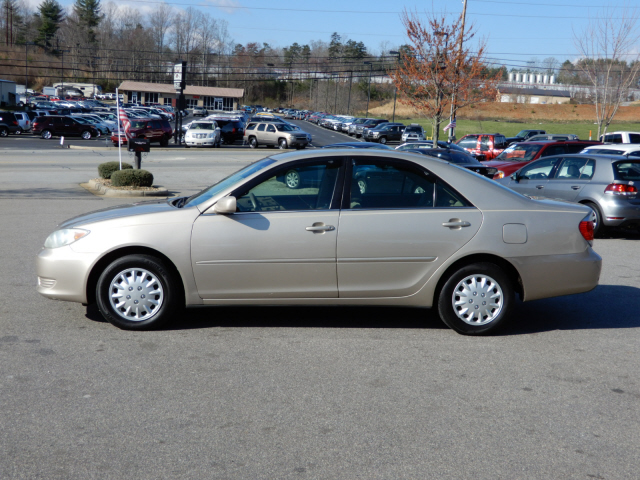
x=477, y=300
x=292, y=179
x=136, y=294
x=594, y=219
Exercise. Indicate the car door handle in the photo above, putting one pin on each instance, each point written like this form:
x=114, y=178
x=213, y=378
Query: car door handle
x=456, y=223
x=320, y=228
x=539, y=187
x=575, y=187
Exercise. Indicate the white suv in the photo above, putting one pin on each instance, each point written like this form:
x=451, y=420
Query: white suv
x=203, y=133
x=413, y=133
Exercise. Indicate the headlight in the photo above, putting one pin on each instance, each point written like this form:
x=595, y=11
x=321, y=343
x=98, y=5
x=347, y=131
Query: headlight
x=65, y=236
x=498, y=175
x=210, y=135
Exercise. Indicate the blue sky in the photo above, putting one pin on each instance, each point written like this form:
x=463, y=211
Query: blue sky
x=516, y=30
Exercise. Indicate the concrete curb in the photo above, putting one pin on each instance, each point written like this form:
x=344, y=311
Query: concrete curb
x=98, y=189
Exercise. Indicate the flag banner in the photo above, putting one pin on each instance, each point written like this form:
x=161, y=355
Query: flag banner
x=451, y=125
x=124, y=119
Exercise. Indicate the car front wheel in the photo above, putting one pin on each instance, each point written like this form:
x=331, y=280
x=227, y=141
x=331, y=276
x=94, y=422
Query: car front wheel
x=137, y=292
x=476, y=299
x=86, y=135
x=46, y=134
x=253, y=143
x=282, y=144
x=383, y=140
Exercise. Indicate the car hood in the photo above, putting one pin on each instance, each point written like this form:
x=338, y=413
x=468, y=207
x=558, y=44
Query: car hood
x=120, y=211
x=504, y=163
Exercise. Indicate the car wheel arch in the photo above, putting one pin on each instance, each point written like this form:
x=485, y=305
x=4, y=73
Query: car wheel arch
x=507, y=267
x=113, y=255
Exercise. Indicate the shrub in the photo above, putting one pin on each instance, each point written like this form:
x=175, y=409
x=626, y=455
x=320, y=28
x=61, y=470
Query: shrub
x=106, y=169
x=132, y=178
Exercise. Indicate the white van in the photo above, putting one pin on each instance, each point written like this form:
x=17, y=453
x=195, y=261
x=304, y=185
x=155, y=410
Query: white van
x=620, y=137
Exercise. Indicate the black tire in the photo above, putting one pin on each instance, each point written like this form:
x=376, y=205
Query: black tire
x=598, y=228
x=253, y=143
x=383, y=140
x=480, y=280
x=282, y=144
x=154, y=280
x=46, y=134
x=19, y=131
x=86, y=135
x=4, y=132
x=164, y=141
x=292, y=179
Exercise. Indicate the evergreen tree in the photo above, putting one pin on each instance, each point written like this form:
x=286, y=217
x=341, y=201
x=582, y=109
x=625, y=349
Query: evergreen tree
x=89, y=16
x=51, y=15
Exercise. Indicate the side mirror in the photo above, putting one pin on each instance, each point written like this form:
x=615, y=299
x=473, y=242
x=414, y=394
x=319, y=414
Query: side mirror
x=225, y=206
x=514, y=177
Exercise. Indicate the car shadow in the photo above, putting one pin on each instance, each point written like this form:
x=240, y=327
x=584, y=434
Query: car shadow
x=607, y=306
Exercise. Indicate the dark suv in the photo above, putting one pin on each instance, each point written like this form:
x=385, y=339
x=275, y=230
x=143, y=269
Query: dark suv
x=385, y=132
x=231, y=130
x=155, y=130
x=59, y=125
x=8, y=124
x=371, y=123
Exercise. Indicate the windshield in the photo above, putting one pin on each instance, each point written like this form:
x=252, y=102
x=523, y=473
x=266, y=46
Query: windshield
x=201, y=126
x=284, y=128
x=520, y=152
x=523, y=133
x=210, y=192
x=84, y=121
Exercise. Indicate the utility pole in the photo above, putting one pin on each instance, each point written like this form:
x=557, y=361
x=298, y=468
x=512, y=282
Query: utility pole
x=395, y=91
x=349, y=101
x=369, y=91
x=452, y=133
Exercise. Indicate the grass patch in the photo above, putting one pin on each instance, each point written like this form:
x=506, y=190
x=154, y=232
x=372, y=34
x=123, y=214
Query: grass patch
x=509, y=129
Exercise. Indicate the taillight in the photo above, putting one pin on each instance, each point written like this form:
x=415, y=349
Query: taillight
x=233, y=130
x=586, y=228
x=621, y=189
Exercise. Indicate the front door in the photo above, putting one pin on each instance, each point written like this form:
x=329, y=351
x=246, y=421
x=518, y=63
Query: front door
x=572, y=174
x=281, y=242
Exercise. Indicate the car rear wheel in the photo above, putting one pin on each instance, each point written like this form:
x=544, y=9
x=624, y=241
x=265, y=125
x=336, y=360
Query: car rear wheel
x=137, y=292
x=86, y=135
x=476, y=299
x=46, y=134
x=19, y=131
x=164, y=141
x=4, y=131
x=292, y=179
x=596, y=218
x=253, y=143
x=282, y=144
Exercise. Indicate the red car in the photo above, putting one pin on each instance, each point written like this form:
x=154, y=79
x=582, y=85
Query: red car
x=488, y=144
x=155, y=130
x=517, y=155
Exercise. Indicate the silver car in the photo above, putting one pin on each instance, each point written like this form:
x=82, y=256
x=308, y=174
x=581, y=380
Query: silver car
x=605, y=183
x=361, y=227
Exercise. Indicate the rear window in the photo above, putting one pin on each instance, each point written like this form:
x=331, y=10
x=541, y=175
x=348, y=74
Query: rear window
x=602, y=151
x=520, y=152
x=627, y=170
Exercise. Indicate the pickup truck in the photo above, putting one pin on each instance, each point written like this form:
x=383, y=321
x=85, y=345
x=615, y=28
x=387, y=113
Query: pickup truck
x=620, y=137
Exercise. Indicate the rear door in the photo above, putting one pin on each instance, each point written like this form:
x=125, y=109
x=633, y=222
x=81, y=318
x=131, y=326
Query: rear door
x=397, y=227
x=571, y=175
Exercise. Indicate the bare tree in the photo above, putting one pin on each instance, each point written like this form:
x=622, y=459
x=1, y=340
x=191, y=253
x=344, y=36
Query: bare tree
x=610, y=60
x=159, y=22
x=436, y=71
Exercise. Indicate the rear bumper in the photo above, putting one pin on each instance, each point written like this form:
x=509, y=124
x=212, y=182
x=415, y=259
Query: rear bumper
x=547, y=276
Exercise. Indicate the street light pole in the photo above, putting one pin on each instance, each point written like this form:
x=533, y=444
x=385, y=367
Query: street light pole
x=350, y=83
x=369, y=91
x=335, y=102
x=94, y=76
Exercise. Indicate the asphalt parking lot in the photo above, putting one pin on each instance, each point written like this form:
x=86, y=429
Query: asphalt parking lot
x=247, y=393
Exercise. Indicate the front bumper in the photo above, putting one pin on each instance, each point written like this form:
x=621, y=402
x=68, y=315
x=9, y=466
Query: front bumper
x=63, y=273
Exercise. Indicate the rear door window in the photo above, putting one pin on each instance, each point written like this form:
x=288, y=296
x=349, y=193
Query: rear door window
x=613, y=138
x=634, y=138
x=553, y=150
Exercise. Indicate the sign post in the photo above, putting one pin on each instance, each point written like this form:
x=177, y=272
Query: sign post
x=179, y=83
